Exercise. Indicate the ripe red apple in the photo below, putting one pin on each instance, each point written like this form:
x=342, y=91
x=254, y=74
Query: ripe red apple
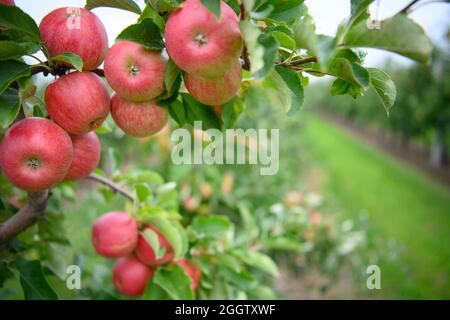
x=8, y=2
x=75, y=30
x=138, y=119
x=134, y=72
x=214, y=91
x=130, y=276
x=79, y=102
x=191, y=270
x=199, y=43
x=35, y=154
x=115, y=234
x=146, y=254
x=86, y=155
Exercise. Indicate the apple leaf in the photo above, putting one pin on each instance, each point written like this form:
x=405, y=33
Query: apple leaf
x=261, y=261
x=151, y=13
x=341, y=87
x=384, y=87
x=12, y=17
x=146, y=32
x=174, y=281
x=128, y=5
x=9, y=107
x=350, y=71
x=12, y=50
x=398, y=34
x=143, y=191
x=213, y=6
x=231, y=111
x=295, y=86
x=211, y=226
x=177, y=112
x=70, y=58
x=11, y=70
x=171, y=233
x=196, y=111
x=153, y=240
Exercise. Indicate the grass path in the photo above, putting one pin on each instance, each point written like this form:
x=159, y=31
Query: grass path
x=402, y=204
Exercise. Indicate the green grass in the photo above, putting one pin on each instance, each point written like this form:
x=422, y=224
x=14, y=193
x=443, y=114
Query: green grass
x=402, y=204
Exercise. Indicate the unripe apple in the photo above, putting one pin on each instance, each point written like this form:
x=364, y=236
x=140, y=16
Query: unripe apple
x=78, y=31
x=115, y=234
x=86, y=155
x=79, y=102
x=8, y=2
x=191, y=270
x=138, y=119
x=134, y=72
x=214, y=91
x=130, y=276
x=35, y=154
x=200, y=44
x=146, y=254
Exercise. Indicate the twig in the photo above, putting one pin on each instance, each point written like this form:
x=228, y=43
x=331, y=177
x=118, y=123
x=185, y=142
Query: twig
x=114, y=187
x=298, y=62
x=245, y=57
x=25, y=217
x=405, y=10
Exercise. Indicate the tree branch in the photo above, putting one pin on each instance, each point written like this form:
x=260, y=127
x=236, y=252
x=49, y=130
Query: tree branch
x=405, y=10
x=114, y=187
x=25, y=217
x=298, y=62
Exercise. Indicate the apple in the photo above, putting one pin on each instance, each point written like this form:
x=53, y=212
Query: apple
x=191, y=270
x=75, y=30
x=35, y=154
x=130, y=276
x=138, y=119
x=115, y=234
x=8, y=2
x=134, y=72
x=200, y=44
x=86, y=155
x=79, y=102
x=146, y=254
x=214, y=91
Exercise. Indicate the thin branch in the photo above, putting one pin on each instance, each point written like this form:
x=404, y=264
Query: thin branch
x=406, y=9
x=245, y=56
x=25, y=217
x=110, y=184
x=298, y=62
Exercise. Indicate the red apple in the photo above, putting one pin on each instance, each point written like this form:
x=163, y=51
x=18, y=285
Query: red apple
x=75, y=30
x=130, y=276
x=35, y=154
x=8, y=2
x=134, y=72
x=115, y=234
x=199, y=43
x=86, y=155
x=146, y=254
x=79, y=102
x=191, y=270
x=214, y=91
x=138, y=119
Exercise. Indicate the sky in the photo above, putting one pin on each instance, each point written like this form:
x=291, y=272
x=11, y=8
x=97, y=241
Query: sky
x=434, y=18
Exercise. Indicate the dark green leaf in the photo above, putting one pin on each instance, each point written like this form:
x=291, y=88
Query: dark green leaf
x=213, y=6
x=294, y=84
x=9, y=107
x=145, y=32
x=5, y=273
x=341, y=87
x=151, y=13
x=350, y=71
x=11, y=70
x=177, y=112
x=13, y=17
x=143, y=191
x=12, y=50
x=70, y=58
x=196, y=111
x=128, y=5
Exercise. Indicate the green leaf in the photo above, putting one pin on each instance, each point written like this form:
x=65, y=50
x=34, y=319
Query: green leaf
x=340, y=87
x=9, y=107
x=359, y=6
x=33, y=281
x=145, y=32
x=143, y=191
x=153, y=240
x=128, y=5
x=262, y=262
x=350, y=71
x=11, y=70
x=155, y=292
x=212, y=226
x=244, y=280
x=384, y=87
x=213, y=6
x=295, y=86
x=174, y=281
x=305, y=32
x=196, y=111
x=151, y=13
x=171, y=74
x=171, y=233
x=177, y=112
x=284, y=40
x=284, y=11
x=5, y=273
x=398, y=34
x=231, y=111
x=12, y=50
x=70, y=58
x=12, y=17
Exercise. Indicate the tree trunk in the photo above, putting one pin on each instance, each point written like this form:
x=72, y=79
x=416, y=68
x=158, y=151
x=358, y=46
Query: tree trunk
x=438, y=154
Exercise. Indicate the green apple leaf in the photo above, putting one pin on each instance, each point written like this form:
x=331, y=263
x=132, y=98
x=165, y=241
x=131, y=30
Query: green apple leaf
x=261, y=261
x=128, y=5
x=12, y=17
x=153, y=240
x=231, y=111
x=398, y=34
x=151, y=13
x=243, y=280
x=177, y=112
x=9, y=107
x=11, y=70
x=196, y=111
x=70, y=58
x=350, y=71
x=341, y=87
x=174, y=281
x=295, y=86
x=143, y=191
x=146, y=32
x=213, y=6
x=211, y=226
x=384, y=87
x=12, y=50
x=171, y=233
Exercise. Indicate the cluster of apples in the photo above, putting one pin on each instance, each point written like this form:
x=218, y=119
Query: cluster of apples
x=117, y=235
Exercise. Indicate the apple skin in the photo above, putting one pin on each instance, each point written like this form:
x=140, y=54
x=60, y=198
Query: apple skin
x=79, y=102
x=130, y=276
x=60, y=33
x=192, y=271
x=35, y=154
x=86, y=156
x=115, y=234
x=146, y=254
x=138, y=119
x=8, y=2
x=200, y=44
x=214, y=91
x=134, y=72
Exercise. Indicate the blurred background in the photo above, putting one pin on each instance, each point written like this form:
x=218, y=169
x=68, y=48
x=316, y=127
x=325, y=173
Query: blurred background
x=355, y=187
